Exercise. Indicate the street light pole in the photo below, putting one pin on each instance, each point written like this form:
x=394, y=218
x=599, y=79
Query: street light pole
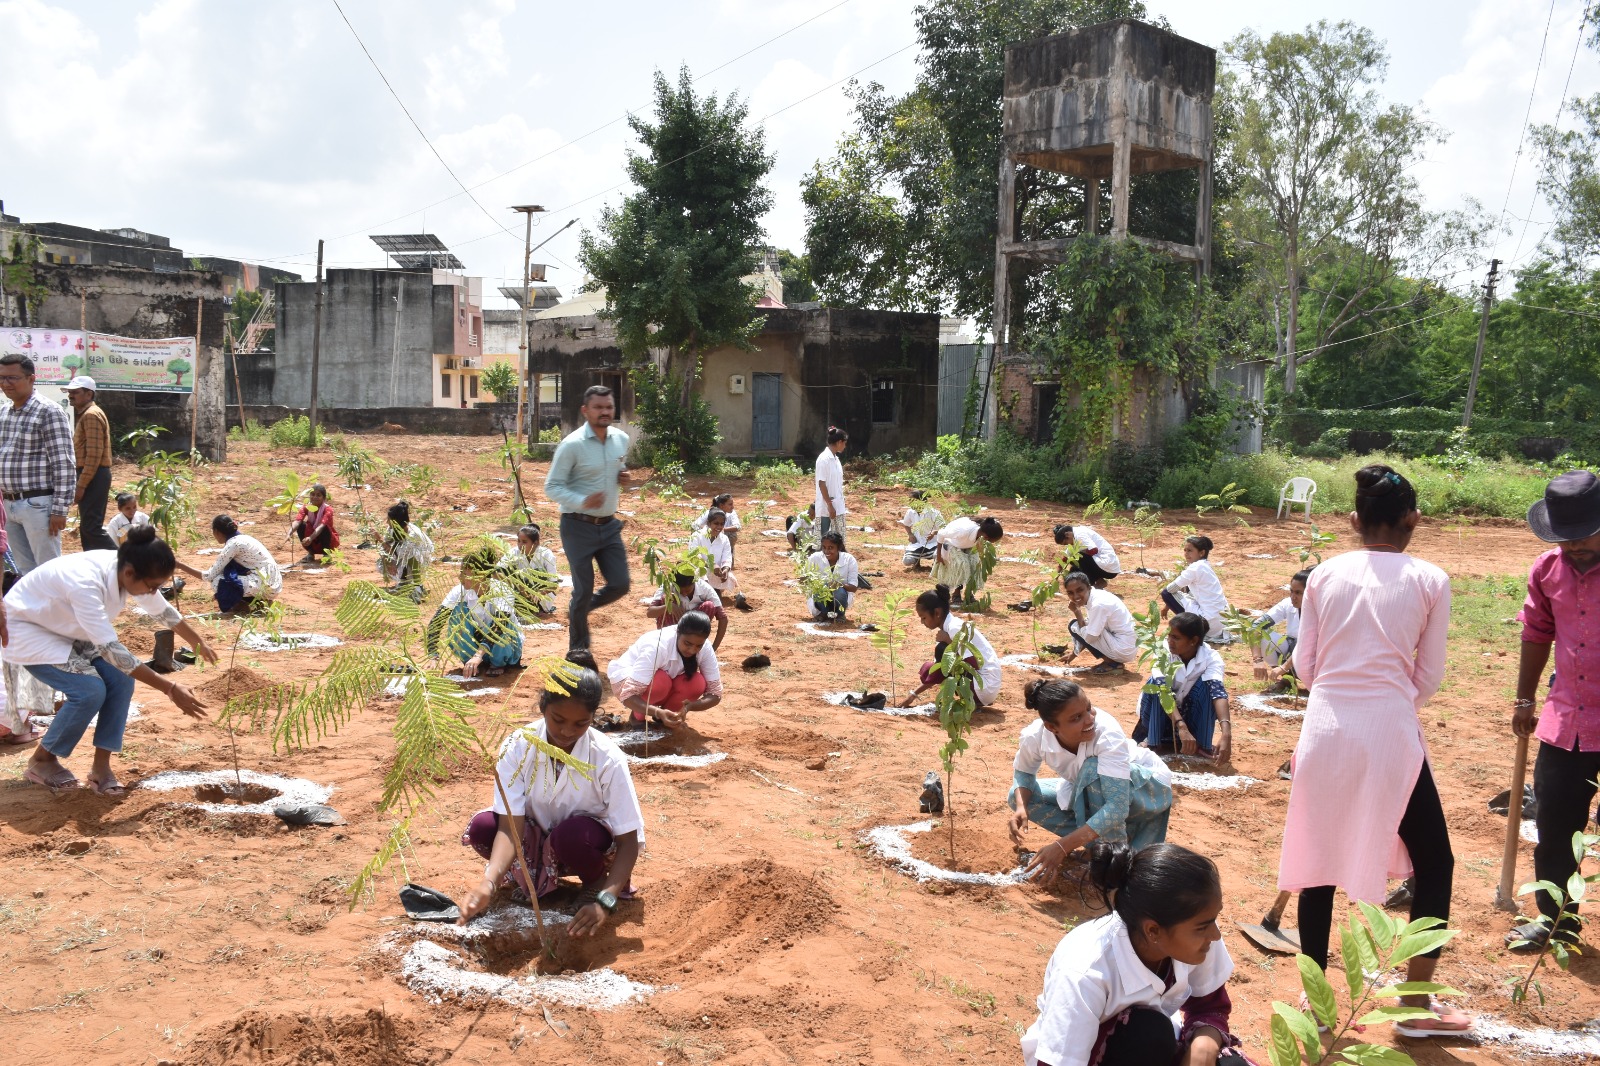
x=527, y=211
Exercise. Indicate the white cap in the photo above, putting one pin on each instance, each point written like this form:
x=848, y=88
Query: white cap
x=82, y=381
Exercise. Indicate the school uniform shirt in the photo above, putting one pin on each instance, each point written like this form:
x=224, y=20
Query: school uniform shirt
x=1097, y=548
x=483, y=609
x=117, y=528
x=1108, y=625
x=844, y=572
x=548, y=792
x=73, y=598
x=632, y=671
x=962, y=533
x=1285, y=614
x=542, y=560
x=830, y=484
x=731, y=525
x=414, y=547
x=1206, y=665
x=1093, y=976
x=704, y=599
x=988, y=660
x=720, y=550
x=1117, y=754
x=924, y=525
x=1200, y=582
x=251, y=554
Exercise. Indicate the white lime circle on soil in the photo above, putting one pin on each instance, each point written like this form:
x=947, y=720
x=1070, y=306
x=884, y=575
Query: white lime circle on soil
x=287, y=641
x=890, y=843
x=841, y=699
x=291, y=791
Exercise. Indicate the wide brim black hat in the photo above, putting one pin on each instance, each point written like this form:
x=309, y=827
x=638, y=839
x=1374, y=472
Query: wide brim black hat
x=1570, y=509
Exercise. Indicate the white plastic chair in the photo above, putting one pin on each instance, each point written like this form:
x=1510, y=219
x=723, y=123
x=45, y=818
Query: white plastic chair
x=1297, y=490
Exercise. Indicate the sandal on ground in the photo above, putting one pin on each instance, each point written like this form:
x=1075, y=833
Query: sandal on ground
x=1450, y=1022
x=13, y=740
x=1533, y=936
x=58, y=780
x=110, y=788
x=1107, y=668
x=1305, y=1008
x=305, y=560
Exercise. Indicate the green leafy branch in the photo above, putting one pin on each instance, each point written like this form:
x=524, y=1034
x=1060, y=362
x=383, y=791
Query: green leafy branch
x=1557, y=943
x=890, y=621
x=1225, y=500
x=956, y=701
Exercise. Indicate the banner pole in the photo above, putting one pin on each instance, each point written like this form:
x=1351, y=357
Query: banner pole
x=194, y=393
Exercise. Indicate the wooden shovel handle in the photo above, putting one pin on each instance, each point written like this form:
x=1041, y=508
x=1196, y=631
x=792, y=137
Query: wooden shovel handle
x=1275, y=915
x=1508, y=858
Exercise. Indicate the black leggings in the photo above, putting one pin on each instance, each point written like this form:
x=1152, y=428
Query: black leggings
x=1147, y=1038
x=1427, y=840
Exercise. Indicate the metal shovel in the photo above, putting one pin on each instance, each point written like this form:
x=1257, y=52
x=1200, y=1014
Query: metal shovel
x=1268, y=936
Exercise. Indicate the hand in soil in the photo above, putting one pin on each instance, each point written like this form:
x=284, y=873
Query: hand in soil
x=1187, y=744
x=476, y=902
x=588, y=920
x=187, y=702
x=1045, y=866
x=1224, y=749
x=673, y=720
x=1018, y=826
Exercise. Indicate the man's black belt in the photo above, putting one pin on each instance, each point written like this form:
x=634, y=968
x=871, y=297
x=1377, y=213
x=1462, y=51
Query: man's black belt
x=28, y=495
x=593, y=520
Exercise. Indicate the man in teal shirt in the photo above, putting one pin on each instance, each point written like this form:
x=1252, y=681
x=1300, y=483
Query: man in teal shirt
x=588, y=465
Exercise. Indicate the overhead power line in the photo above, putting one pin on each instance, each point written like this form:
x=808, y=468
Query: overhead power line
x=1561, y=105
x=1523, y=136
x=414, y=124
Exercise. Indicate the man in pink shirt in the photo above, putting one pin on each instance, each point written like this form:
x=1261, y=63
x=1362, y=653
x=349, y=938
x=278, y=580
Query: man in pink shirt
x=1562, y=609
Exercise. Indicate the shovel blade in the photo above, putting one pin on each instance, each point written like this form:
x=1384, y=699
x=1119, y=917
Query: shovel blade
x=1275, y=940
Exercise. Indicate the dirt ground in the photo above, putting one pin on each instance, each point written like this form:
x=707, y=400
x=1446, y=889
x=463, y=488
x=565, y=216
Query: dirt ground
x=148, y=932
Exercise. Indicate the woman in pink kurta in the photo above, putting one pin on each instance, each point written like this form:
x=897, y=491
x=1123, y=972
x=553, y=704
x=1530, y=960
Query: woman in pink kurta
x=1364, y=806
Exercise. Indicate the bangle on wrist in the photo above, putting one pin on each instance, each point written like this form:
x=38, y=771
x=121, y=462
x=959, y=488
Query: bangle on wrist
x=1522, y=703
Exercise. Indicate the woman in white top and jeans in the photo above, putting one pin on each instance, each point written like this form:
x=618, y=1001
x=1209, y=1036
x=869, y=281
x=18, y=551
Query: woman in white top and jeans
x=58, y=621
x=830, y=483
x=243, y=573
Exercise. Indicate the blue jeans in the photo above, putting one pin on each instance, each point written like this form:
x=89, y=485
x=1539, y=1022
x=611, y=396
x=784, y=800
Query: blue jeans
x=28, y=530
x=587, y=544
x=106, y=695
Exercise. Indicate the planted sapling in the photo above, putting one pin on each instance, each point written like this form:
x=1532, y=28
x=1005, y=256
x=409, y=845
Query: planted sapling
x=956, y=701
x=890, y=621
x=1225, y=500
x=1560, y=936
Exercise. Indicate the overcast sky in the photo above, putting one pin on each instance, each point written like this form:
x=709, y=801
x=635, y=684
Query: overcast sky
x=250, y=130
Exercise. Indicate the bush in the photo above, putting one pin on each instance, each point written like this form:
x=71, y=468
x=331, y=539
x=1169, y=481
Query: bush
x=1420, y=431
x=673, y=432
x=293, y=432
x=250, y=431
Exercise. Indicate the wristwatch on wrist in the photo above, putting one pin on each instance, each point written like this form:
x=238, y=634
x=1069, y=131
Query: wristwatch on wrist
x=607, y=901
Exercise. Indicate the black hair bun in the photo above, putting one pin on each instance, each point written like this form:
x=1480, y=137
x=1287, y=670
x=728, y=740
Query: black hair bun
x=140, y=534
x=1030, y=693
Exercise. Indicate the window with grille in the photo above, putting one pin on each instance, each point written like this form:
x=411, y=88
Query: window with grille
x=883, y=409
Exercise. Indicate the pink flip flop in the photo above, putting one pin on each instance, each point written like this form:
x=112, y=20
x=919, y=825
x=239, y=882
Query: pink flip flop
x=112, y=789
x=10, y=739
x=1450, y=1022
x=58, y=780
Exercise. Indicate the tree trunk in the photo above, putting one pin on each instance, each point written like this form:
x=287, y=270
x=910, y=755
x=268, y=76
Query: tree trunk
x=1291, y=333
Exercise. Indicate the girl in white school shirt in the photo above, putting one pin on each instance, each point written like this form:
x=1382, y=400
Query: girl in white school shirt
x=1113, y=984
x=1197, y=589
x=714, y=542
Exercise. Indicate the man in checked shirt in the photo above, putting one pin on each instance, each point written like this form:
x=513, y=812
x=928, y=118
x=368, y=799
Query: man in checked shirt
x=38, y=474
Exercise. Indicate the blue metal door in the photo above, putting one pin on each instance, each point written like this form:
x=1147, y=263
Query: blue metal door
x=766, y=407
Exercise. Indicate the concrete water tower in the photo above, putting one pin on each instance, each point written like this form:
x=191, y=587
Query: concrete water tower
x=1102, y=103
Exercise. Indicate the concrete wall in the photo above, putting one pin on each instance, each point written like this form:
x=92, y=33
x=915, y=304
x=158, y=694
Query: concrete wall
x=140, y=303
x=776, y=353
x=1026, y=397
x=362, y=364
x=473, y=422
x=581, y=350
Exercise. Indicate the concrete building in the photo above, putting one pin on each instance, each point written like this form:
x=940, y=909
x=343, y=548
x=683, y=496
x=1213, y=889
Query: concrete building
x=390, y=339
x=1100, y=103
x=873, y=373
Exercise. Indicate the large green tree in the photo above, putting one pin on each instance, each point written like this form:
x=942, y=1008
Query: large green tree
x=903, y=216
x=673, y=257
x=1325, y=202
x=1569, y=166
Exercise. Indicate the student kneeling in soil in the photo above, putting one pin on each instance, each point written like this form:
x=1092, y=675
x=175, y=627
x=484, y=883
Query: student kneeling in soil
x=714, y=542
x=837, y=569
x=530, y=556
x=589, y=827
x=1274, y=658
x=313, y=526
x=922, y=522
x=1197, y=589
x=668, y=673
x=801, y=529
x=933, y=611
x=955, y=557
x=477, y=620
x=1101, y=624
x=691, y=594
x=60, y=631
x=1202, y=697
x=1113, y=984
x=1110, y=789
x=1096, y=557
x=405, y=553
x=730, y=521
x=244, y=574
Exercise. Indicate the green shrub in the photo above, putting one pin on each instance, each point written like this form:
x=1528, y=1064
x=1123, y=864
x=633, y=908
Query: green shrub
x=292, y=432
x=1418, y=431
x=500, y=381
x=250, y=431
x=552, y=435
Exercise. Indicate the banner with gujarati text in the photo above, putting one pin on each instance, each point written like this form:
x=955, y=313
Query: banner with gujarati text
x=134, y=364
x=116, y=363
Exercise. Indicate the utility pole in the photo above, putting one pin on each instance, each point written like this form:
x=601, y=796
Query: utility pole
x=1483, y=332
x=527, y=211
x=316, y=347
